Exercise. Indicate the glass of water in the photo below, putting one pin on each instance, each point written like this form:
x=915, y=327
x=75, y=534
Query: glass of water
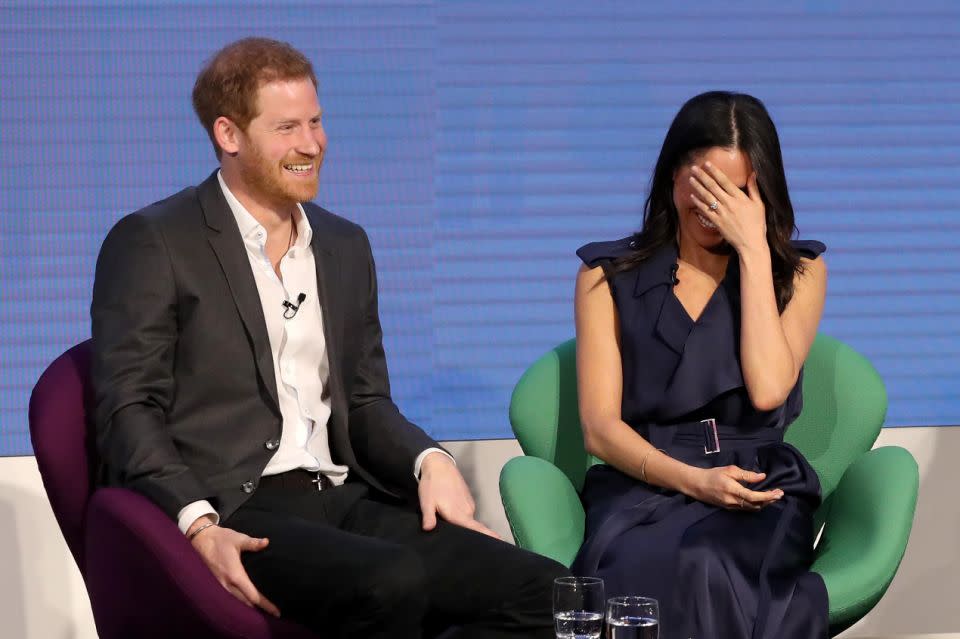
x=578, y=607
x=633, y=618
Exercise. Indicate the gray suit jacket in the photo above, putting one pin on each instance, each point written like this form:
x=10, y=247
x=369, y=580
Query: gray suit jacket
x=186, y=399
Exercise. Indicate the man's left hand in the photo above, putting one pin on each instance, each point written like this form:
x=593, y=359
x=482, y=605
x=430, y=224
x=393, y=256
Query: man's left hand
x=444, y=493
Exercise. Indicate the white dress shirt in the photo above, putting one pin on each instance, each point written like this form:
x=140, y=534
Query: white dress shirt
x=300, y=363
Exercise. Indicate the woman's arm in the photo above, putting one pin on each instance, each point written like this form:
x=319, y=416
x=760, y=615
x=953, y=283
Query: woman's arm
x=600, y=386
x=607, y=436
x=773, y=347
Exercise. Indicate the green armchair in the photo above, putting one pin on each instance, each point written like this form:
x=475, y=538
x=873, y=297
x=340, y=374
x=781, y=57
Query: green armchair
x=869, y=495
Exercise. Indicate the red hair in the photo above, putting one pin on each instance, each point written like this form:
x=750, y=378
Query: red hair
x=227, y=85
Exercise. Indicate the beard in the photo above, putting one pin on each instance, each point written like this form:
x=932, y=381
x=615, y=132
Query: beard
x=268, y=180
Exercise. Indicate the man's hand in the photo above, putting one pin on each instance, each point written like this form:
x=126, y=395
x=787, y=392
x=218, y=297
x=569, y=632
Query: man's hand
x=220, y=549
x=443, y=492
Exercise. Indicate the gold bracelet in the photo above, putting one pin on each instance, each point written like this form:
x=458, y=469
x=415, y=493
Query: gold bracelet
x=200, y=530
x=643, y=464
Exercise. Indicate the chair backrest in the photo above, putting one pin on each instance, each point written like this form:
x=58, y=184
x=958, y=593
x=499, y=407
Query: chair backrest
x=844, y=405
x=545, y=415
x=63, y=443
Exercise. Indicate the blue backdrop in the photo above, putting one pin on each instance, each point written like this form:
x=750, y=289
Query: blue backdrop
x=480, y=143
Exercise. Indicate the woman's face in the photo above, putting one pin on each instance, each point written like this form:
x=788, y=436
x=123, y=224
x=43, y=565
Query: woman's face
x=694, y=228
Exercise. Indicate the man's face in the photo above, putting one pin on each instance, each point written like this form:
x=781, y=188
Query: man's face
x=281, y=151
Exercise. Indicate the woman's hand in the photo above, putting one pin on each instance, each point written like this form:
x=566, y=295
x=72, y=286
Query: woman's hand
x=724, y=487
x=740, y=217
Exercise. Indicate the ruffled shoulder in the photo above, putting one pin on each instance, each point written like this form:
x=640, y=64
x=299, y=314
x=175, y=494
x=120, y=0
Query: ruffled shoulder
x=809, y=249
x=602, y=253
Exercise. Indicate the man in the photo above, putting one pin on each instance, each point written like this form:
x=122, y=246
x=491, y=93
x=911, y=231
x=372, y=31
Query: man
x=242, y=386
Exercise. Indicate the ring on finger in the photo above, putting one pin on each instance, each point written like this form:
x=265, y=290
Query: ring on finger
x=714, y=205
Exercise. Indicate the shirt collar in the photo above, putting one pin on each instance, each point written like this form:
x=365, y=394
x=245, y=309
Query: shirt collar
x=249, y=226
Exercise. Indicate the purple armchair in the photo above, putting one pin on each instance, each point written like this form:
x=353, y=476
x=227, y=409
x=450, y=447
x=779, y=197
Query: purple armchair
x=143, y=577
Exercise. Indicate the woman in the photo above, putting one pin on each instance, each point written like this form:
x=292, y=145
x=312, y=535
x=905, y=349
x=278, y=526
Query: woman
x=691, y=338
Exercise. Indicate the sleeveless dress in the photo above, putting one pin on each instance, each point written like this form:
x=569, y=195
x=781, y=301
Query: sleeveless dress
x=717, y=573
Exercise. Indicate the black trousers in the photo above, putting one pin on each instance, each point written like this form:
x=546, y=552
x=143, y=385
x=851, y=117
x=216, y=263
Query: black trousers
x=349, y=563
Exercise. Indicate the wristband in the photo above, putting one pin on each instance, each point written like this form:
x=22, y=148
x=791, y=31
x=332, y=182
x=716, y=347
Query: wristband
x=643, y=464
x=200, y=530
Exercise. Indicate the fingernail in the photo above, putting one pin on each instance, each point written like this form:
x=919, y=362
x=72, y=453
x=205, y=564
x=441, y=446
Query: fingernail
x=707, y=164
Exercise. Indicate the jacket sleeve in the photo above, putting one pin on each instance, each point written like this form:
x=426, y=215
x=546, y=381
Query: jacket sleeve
x=385, y=442
x=134, y=324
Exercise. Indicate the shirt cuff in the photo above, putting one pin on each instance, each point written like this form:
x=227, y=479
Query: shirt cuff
x=419, y=462
x=191, y=512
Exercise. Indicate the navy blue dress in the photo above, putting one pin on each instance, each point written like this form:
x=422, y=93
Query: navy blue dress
x=716, y=573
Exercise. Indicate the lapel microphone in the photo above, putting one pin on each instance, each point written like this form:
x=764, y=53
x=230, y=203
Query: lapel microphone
x=290, y=309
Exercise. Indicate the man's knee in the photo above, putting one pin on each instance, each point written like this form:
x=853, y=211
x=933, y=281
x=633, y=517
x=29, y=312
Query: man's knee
x=533, y=590
x=545, y=572
x=395, y=584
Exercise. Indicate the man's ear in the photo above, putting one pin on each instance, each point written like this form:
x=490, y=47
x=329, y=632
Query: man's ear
x=227, y=134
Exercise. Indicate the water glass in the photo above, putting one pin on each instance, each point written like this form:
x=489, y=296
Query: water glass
x=578, y=607
x=633, y=618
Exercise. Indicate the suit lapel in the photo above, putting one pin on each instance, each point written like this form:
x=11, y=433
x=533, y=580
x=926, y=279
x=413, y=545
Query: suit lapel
x=326, y=256
x=227, y=244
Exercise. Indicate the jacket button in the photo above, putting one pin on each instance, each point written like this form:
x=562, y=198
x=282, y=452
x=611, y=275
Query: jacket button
x=247, y=487
x=272, y=444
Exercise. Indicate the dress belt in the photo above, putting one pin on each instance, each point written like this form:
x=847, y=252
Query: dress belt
x=708, y=434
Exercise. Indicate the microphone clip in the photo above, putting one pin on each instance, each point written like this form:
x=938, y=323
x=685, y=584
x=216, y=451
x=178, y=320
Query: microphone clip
x=290, y=309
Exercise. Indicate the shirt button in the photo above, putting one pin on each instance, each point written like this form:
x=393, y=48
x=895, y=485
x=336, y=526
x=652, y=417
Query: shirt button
x=272, y=444
x=247, y=487
x=633, y=244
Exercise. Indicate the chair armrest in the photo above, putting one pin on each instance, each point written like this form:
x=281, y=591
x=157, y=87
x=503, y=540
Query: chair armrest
x=543, y=509
x=145, y=579
x=866, y=531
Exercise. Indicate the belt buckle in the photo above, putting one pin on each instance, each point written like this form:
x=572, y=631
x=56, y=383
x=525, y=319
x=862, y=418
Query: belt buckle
x=319, y=480
x=711, y=441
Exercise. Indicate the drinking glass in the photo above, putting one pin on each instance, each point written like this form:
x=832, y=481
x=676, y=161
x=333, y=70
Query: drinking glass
x=578, y=607
x=633, y=618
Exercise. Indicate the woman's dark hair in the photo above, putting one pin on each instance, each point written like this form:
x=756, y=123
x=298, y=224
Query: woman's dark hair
x=728, y=120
